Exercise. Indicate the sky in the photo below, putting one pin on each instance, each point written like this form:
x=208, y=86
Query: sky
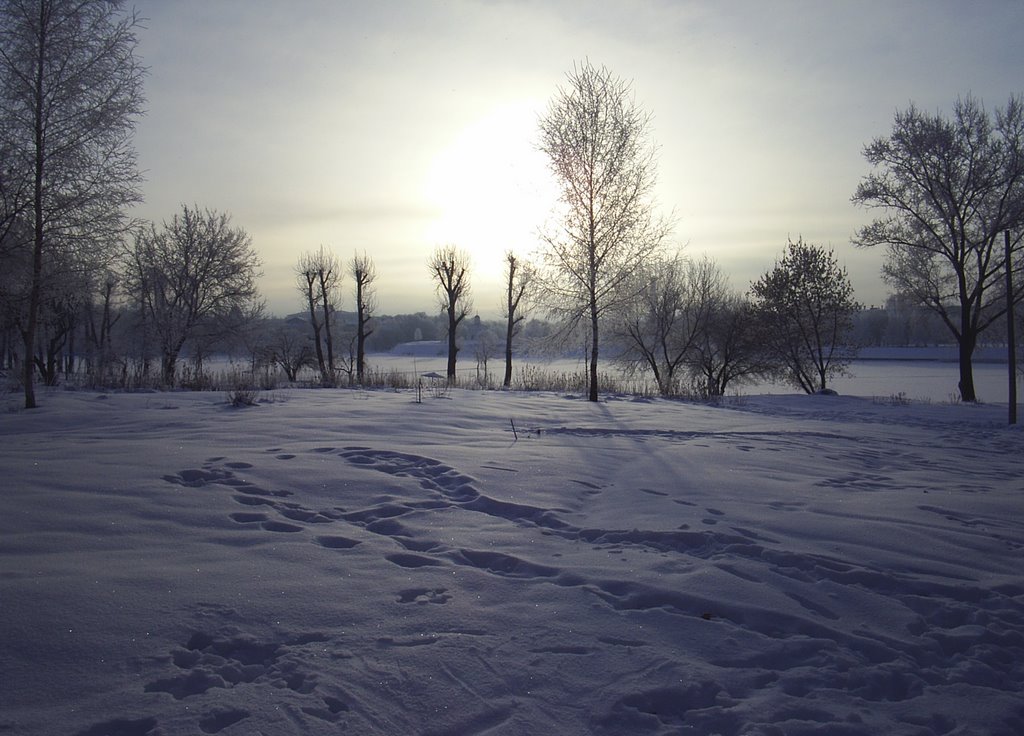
x=392, y=128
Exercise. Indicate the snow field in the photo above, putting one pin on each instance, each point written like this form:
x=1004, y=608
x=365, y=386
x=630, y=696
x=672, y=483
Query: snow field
x=343, y=562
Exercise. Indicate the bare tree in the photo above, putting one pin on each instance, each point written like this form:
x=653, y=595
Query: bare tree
x=449, y=267
x=664, y=324
x=290, y=350
x=319, y=279
x=14, y=199
x=71, y=93
x=950, y=189
x=515, y=305
x=730, y=350
x=364, y=273
x=100, y=320
x=60, y=314
x=805, y=306
x=595, y=138
x=196, y=273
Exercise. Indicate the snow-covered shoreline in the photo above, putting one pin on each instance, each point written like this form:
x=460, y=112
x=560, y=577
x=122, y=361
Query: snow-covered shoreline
x=354, y=561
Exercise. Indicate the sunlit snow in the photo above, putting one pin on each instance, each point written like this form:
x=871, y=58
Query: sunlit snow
x=356, y=562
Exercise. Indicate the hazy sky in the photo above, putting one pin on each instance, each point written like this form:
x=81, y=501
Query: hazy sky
x=392, y=127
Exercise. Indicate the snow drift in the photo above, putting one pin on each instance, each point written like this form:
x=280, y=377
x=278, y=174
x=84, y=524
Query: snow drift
x=348, y=562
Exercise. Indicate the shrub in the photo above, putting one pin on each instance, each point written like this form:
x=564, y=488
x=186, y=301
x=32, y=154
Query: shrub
x=243, y=391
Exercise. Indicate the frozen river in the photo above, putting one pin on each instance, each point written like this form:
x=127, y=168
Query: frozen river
x=925, y=380
x=921, y=380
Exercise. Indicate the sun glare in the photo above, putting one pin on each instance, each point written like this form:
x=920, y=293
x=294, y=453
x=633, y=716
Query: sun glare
x=491, y=189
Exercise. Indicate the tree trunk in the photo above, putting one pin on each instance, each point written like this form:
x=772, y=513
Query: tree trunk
x=360, y=336
x=508, y=352
x=966, y=342
x=966, y=350
x=593, y=351
x=453, y=348
x=328, y=337
x=35, y=292
x=168, y=366
x=315, y=324
x=1011, y=336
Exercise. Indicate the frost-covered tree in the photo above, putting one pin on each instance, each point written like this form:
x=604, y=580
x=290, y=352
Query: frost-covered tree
x=70, y=94
x=662, y=325
x=805, y=308
x=195, y=275
x=596, y=141
x=730, y=350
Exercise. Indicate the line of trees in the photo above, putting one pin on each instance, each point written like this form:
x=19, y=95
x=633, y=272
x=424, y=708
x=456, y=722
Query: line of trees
x=319, y=277
x=605, y=263
x=76, y=269
x=952, y=196
x=450, y=269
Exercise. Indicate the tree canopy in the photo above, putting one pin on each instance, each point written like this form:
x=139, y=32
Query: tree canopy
x=948, y=189
x=70, y=94
x=805, y=307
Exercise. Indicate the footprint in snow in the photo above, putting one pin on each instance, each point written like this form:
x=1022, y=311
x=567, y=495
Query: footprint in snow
x=333, y=542
x=423, y=596
x=123, y=727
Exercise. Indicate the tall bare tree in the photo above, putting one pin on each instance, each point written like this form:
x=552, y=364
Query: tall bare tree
x=71, y=91
x=515, y=305
x=194, y=275
x=595, y=139
x=949, y=189
x=318, y=276
x=364, y=274
x=449, y=267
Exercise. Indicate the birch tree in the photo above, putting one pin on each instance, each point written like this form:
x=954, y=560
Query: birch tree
x=596, y=141
x=70, y=95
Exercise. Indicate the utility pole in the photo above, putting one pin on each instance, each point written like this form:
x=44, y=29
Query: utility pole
x=1011, y=342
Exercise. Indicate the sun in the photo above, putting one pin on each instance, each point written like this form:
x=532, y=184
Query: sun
x=491, y=190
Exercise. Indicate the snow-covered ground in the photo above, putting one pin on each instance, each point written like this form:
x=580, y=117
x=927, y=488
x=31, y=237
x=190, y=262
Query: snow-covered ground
x=356, y=562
